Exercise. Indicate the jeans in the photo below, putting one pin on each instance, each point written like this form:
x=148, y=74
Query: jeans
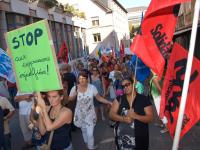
x=69, y=147
x=7, y=142
x=88, y=136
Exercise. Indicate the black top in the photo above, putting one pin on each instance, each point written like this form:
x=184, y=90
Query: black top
x=141, y=129
x=61, y=136
x=70, y=78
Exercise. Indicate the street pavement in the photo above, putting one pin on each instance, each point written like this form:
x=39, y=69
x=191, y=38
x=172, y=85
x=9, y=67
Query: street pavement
x=105, y=140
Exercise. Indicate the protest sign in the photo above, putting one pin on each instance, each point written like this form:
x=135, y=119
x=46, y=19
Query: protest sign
x=33, y=57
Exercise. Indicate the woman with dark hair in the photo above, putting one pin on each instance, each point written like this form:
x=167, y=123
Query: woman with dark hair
x=84, y=116
x=55, y=119
x=132, y=112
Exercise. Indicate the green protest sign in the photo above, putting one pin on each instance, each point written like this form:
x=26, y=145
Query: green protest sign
x=33, y=57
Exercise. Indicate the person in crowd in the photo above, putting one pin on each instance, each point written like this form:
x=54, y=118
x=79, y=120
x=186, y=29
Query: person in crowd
x=69, y=79
x=97, y=82
x=12, y=89
x=8, y=111
x=55, y=119
x=155, y=90
x=133, y=112
x=1, y=129
x=111, y=94
x=37, y=138
x=25, y=103
x=4, y=88
x=117, y=84
x=112, y=73
x=111, y=91
x=105, y=75
x=85, y=117
x=126, y=71
x=80, y=68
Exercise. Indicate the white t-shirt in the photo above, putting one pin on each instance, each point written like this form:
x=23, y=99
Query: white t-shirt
x=112, y=76
x=84, y=112
x=25, y=106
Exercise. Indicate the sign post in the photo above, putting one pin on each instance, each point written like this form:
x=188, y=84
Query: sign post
x=33, y=58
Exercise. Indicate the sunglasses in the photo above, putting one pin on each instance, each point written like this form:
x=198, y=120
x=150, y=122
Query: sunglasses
x=82, y=78
x=126, y=85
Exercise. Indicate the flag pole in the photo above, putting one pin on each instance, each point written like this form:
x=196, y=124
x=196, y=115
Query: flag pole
x=187, y=75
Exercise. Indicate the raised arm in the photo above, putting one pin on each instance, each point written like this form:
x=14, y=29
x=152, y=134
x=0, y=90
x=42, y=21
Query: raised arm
x=27, y=97
x=65, y=116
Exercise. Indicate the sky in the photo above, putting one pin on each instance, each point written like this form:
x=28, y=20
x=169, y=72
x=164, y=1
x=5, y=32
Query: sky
x=134, y=3
x=127, y=3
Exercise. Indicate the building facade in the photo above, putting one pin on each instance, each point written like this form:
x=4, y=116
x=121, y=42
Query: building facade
x=107, y=23
x=64, y=27
x=135, y=15
x=184, y=26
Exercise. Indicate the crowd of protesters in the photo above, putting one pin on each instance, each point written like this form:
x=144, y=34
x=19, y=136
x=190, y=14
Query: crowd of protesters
x=93, y=91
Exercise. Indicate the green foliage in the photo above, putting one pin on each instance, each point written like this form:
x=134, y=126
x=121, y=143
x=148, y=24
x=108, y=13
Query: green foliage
x=74, y=11
x=50, y=3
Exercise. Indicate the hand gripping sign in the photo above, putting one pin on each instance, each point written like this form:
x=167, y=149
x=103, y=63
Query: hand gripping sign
x=33, y=57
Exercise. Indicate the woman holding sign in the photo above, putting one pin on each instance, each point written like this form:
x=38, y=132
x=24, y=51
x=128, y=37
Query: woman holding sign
x=85, y=117
x=55, y=119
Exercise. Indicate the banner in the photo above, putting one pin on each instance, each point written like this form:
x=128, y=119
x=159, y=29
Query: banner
x=6, y=70
x=33, y=57
x=172, y=90
x=154, y=42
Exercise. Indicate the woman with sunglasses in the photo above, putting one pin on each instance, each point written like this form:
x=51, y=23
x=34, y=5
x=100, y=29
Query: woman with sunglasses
x=132, y=112
x=84, y=116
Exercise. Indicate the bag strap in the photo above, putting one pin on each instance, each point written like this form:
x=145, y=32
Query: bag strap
x=50, y=139
x=51, y=134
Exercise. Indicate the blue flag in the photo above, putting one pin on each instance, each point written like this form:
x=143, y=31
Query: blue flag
x=6, y=67
x=142, y=71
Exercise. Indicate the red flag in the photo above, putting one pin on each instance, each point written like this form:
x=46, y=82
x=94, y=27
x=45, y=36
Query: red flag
x=172, y=90
x=157, y=31
x=105, y=58
x=122, y=49
x=63, y=53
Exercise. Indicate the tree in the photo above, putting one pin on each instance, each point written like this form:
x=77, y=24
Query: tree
x=50, y=3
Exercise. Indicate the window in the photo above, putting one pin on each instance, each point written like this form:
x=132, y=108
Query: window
x=95, y=22
x=97, y=37
x=15, y=21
